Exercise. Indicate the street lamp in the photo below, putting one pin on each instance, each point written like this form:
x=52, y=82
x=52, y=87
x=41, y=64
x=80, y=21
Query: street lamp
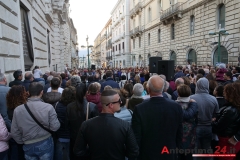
x=88, y=46
x=222, y=32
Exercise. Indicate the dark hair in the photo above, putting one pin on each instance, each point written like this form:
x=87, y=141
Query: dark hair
x=183, y=90
x=180, y=67
x=229, y=74
x=83, y=78
x=230, y=92
x=36, y=67
x=123, y=99
x=17, y=73
x=238, y=69
x=63, y=75
x=198, y=76
x=201, y=71
x=104, y=76
x=129, y=88
x=219, y=90
x=123, y=77
x=186, y=80
x=35, y=88
x=55, y=83
x=81, y=90
x=147, y=76
x=142, y=75
x=212, y=86
x=109, y=73
x=16, y=96
x=90, y=79
x=68, y=95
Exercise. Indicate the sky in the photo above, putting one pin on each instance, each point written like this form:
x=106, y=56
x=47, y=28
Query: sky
x=89, y=18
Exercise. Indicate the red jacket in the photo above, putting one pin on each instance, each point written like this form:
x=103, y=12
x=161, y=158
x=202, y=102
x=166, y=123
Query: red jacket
x=95, y=98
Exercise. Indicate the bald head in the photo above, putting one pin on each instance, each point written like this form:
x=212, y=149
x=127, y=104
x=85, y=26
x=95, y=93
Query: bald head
x=155, y=85
x=179, y=81
x=28, y=76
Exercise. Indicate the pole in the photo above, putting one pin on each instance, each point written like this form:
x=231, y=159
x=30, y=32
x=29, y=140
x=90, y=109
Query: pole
x=88, y=58
x=219, y=37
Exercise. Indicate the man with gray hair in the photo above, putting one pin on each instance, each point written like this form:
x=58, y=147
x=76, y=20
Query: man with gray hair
x=157, y=123
x=178, y=81
x=48, y=84
x=3, y=104
x=28, y=78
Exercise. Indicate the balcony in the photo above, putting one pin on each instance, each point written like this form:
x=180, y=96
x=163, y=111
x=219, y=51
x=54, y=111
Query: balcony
x=174, y=12
x=136, y=9
x=136, y=31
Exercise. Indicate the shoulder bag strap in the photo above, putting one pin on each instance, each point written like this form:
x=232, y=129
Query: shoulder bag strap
x=87, y=111
x=46, y=129
x=130, y=111
x=56, y=105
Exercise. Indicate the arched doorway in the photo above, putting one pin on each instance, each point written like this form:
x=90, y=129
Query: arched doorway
x=222, y=57
x=173, y=56
x=192, y=57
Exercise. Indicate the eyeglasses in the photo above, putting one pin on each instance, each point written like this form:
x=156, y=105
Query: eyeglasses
x=119, y=101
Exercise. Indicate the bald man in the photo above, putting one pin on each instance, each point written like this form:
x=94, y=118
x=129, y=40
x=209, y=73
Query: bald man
x=28, y=80
x=157, y=123
x=106, y=136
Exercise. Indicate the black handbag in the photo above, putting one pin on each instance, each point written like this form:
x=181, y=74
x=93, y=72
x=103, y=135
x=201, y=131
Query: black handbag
x=46, y=129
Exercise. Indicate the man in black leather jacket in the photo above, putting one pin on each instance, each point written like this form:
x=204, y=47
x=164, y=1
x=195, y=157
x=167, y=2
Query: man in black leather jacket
x=105, y=136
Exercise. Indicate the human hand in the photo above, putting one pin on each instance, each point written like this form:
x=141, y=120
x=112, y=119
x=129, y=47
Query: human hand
x=192, y=100
x=232, y=141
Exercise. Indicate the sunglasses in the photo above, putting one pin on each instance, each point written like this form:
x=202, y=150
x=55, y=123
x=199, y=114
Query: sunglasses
x=119, y=101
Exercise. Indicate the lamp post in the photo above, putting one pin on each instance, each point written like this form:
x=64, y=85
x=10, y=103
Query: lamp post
x=221, y=32
x=88, y=46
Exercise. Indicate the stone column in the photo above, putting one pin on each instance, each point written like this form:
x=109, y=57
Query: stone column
x=127, y=36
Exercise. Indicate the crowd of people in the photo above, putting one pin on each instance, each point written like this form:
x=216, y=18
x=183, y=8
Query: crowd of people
x=118, y=114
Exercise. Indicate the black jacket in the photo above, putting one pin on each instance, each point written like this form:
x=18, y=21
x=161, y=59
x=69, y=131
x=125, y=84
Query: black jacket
x=75, y=119
x=110, y=82
x=156, y=123
x=107, y=137
x=15, y=82
x=63, y=131
x=227, y=122
x=26, y=84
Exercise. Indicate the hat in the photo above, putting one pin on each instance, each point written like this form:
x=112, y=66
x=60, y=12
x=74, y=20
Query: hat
x=75, y=81
x=138, y=89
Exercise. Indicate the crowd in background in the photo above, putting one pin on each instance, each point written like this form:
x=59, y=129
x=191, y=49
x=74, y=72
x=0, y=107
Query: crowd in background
x=207, y=96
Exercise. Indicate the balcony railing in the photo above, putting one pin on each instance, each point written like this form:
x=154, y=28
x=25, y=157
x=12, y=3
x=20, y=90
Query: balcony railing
x=173, y=10
x=136, y=9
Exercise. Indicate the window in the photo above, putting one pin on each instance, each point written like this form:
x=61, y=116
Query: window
x=172, y=32
x=123, y=45
x=192, y=23
x=159, y=35
x=149, y=15
x=222, y=57
x=221, y=16
x=173, y=57
x=140, y=22
x=48, y=44
x=133, y=43
x=149, y=37
x=113, y=49
x=116, y=47
x=27, y=40
x=119, y=46
x=192, y=57
x=139, y=39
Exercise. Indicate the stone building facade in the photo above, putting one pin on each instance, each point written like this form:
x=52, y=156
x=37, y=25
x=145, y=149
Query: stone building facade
x=120, y=34
x=35, y=32
x=179, y=31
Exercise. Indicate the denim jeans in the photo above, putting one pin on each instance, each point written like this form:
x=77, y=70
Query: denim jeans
x=204, y=138
x=62, y=150
x=42, y=150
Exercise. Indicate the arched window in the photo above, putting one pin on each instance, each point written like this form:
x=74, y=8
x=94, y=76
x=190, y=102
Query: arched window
x=133, y=43
x=221, y=16
x=192, y=57
x=139, y=42
x=149, y=15
x=172, y=31
x=192, y=23
x=134, y=61
x=222, y=56
x=159, y=35
x=149, y=38
x=173, y=56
